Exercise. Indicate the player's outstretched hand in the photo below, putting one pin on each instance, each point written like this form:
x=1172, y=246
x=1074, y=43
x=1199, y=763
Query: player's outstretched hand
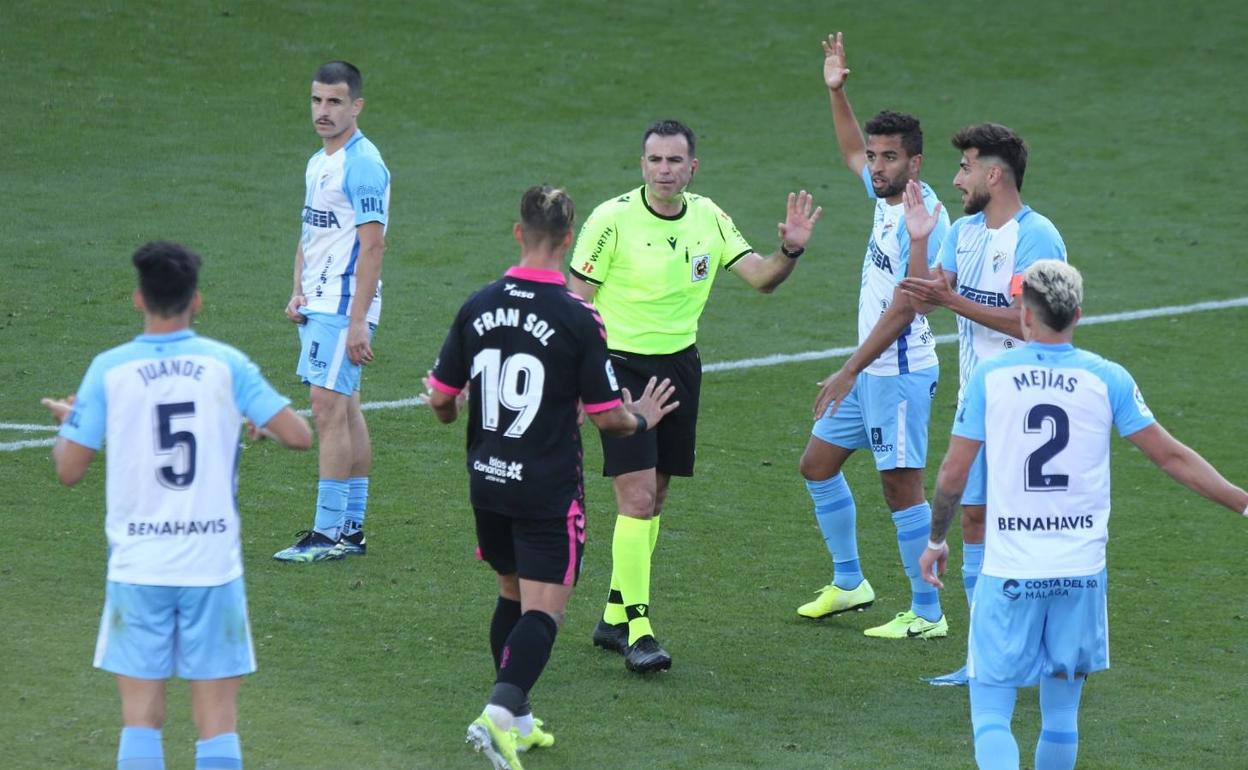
x=835, y=72
x=799, y=221
x=60, y=408
x=929, y=291
x=833, y=391
x=292, y=308
x=938, y=558
x=653, y=404
x=919, y=221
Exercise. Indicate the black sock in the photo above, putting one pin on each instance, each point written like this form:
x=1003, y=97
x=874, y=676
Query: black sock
x=506, y=615
x=525, y=654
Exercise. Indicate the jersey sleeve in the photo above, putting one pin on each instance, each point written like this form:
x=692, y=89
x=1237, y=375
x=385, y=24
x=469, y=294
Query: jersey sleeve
x=866, y=181
x=1131, y=414
x=88, y=420
x=1036, y=243
x=947, y=258
x=598, y=386
x=595, y=247
x=735, y=244
x=969, y=422
x=450, y=372
x=255, y=397
x=364, y=181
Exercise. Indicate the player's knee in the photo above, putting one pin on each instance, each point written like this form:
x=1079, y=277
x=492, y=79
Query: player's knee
x=903, y=488
x=973, y=523
x=814, y=468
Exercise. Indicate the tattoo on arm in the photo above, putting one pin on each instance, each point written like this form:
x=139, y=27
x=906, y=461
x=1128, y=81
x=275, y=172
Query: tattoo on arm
x=942, y=513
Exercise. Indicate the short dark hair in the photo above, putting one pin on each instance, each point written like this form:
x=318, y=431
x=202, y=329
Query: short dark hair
x=994, y=140
x=335, y=72
x=670, y=128
x=168, y=276
x=546, y=212
x=889, y=123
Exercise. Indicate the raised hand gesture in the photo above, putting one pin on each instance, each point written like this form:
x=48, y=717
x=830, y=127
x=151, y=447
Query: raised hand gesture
x=919, y=221
x=799, y=221
x=834, y=71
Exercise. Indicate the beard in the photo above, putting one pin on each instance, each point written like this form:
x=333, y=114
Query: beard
x=976, y=202
x=891, y=187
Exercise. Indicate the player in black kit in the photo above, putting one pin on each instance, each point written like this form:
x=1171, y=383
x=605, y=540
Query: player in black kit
x=531, y=351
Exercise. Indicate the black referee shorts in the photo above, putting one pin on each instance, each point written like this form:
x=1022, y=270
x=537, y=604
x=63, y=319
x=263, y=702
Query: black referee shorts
x=668, y=448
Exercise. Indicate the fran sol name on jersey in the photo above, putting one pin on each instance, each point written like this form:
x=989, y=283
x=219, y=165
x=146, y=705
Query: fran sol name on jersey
x=510, y=316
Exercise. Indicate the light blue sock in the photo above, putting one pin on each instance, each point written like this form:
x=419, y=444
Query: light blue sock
x=992, y=708
x=972, y=562
x=914, y=524
x=220, y=752
x=838, y=521
x=1059, y=723
x=357, y=503
x=331, y=507
x=140, y=749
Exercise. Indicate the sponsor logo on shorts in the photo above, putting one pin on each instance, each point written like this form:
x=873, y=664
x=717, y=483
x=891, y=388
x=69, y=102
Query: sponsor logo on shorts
x=312, y=359
x=877, y=442
x=1011, y=590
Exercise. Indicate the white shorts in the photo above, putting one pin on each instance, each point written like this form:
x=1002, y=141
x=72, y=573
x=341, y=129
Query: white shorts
x=153, y=632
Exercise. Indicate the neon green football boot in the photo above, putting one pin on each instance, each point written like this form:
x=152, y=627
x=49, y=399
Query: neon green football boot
x=496, y=744
x=537, y=739
x=908, y=625
x=833, y=601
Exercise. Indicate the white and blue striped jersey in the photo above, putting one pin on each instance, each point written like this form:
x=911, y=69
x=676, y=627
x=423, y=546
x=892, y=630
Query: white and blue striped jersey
x=885, y=264
x=987, y=263
x=168, y=409
x=344, y=190
x=1045, y=413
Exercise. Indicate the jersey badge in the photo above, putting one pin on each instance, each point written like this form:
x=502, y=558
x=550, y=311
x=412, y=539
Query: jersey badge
x=1139, y=402
x=615, y=385
x=998, y=259
x=700, y=267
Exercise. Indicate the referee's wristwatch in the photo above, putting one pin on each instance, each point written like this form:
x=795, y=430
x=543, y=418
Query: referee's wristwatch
x=794, y=254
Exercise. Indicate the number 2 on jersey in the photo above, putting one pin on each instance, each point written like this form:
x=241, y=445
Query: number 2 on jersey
x=515, y=383
x=1036, y=479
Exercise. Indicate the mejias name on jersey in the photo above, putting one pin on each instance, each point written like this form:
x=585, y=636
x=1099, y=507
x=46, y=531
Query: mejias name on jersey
x=510, y=316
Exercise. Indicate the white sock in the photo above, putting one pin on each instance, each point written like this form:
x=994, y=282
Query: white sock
x=525, y=723
x=501, y=717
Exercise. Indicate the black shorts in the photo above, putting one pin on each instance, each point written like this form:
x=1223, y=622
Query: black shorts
x=668, y=448
x=547, y=550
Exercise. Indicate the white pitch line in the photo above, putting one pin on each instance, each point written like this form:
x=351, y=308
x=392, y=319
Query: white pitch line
x=743, y=363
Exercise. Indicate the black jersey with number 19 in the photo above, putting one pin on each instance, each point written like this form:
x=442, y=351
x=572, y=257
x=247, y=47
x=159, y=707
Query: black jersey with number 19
x=530, y=349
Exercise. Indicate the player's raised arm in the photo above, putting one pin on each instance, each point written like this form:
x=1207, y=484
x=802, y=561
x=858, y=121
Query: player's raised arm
x=1186, y=466
x=848, y=136
x=766, y=273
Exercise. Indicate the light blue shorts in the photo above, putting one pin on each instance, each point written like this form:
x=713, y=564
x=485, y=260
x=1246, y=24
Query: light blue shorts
x=976, y=491
x=886, y=414
x=153, y=632
x=323, y=357
x=1025, y=629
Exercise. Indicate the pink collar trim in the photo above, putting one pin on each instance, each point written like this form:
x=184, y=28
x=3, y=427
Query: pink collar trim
x=535, y=274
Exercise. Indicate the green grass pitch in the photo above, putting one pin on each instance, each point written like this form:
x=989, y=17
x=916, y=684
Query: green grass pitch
x=127, y=121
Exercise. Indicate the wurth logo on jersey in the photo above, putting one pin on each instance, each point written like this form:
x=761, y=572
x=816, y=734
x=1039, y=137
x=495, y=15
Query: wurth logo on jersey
x=318, y=218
